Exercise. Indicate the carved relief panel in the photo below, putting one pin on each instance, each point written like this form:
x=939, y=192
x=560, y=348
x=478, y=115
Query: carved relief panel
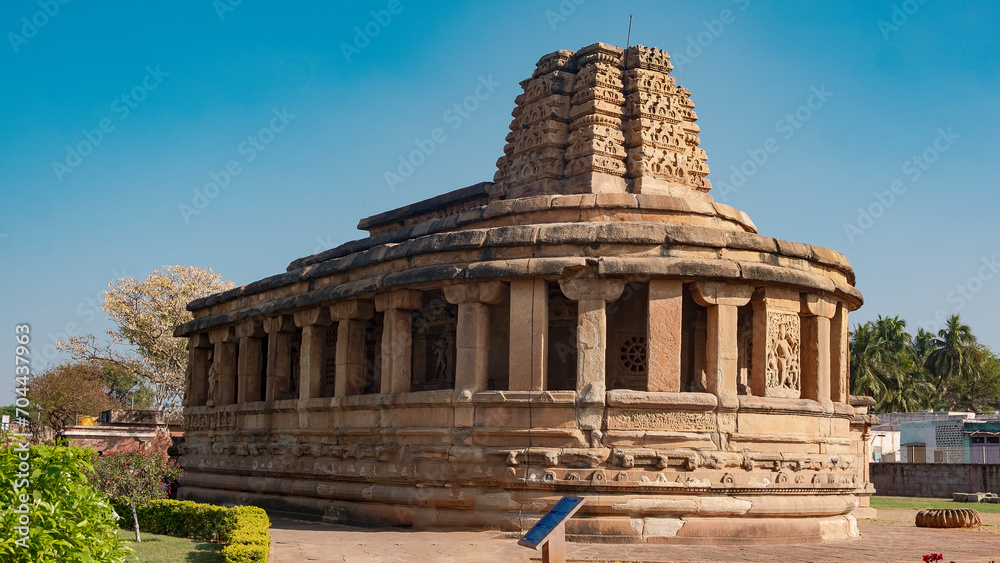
x=776, y=367
x=783, y=373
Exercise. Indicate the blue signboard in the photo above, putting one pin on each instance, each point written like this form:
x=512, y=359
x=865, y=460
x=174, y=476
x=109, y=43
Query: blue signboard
x=563, y=509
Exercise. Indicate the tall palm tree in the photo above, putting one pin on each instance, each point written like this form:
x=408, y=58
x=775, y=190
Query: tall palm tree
x=885, y=364
x=954, y=355
x=868, y=361
x=923, y=345
x=877, y=357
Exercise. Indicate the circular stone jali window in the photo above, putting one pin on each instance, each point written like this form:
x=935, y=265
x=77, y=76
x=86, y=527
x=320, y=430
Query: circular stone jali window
x=632, y=354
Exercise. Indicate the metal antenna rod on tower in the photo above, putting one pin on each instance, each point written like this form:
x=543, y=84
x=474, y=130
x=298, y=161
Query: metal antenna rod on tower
x=629, y=39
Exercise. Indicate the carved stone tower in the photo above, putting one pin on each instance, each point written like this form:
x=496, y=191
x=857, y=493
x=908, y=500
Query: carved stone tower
x=603, y=119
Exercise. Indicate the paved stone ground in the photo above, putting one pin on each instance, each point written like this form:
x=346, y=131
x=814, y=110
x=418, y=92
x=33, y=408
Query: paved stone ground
x=892, y=537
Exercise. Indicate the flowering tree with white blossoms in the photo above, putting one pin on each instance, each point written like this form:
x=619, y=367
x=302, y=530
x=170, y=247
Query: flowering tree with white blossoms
x=146, y=313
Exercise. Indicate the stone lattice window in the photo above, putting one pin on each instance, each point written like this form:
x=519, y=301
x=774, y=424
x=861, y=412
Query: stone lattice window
x=627, y=318
x=499, y=371
x=294, y=360
x=373, y=355
x=329, y=361
x=562, y=340
x=434, y=347
x=263, y=366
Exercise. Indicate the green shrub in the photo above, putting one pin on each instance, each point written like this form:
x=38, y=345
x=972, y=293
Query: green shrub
x=136, y=477
x=251, y=537
x=245, y=528
x=244, y=553
x=67, y=519
x=184, y=518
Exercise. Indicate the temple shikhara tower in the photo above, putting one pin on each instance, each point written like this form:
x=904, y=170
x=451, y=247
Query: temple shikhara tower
x=589, y=323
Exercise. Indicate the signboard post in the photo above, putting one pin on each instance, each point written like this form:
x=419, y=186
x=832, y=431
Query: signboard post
x=550, y=532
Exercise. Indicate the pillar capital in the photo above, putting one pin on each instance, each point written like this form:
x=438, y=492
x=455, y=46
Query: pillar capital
x=814, y=305
x=400, y=299
x=775, y=298
x=592, y=288
x=709, y=293
x=320, y=316
x=222, y=334
x=250, y=329
x=281, y=323
x=199, y=340
x=490, y=292
x=357, y=309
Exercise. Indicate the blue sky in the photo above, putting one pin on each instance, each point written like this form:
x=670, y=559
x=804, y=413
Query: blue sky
x=878, y=120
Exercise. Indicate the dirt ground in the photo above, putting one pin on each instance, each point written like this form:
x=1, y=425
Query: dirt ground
x=892, y=537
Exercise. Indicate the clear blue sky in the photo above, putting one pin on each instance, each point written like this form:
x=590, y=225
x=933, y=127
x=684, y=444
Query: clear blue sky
x=114, y=113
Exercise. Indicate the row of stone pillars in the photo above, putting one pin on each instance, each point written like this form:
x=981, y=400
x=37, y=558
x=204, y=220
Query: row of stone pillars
x=799, y=343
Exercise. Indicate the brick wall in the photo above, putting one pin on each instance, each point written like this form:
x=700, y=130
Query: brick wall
x=933, y=480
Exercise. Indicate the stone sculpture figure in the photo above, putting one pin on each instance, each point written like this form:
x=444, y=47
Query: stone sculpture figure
x=441, y=347
x=783, y=356
x=213, y=381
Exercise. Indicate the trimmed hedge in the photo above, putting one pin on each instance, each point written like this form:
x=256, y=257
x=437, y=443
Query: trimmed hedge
x=244, y=528
x=250, y=540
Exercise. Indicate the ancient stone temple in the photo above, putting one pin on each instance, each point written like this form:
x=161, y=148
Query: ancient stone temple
x=589, y=323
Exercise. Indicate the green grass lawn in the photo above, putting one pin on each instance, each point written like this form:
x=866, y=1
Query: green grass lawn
x=166, y=549
x=915, y=503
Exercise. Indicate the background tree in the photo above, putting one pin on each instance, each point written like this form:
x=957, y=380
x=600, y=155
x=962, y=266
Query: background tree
x=953, y=357
x=135, y=477
x=947, y=371
x=67, y=390
x=978, y=387
x=885, y=364
x=146, y=313
x=127, y=388
x=11, y=411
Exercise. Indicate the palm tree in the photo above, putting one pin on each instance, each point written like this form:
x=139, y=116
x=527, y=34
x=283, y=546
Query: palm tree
x=868, y=361
x=953, y=357
x=886, y=364
x=923, y=345
x=878, y=351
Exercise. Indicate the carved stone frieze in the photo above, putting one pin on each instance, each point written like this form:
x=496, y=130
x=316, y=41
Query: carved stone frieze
x=660, y=420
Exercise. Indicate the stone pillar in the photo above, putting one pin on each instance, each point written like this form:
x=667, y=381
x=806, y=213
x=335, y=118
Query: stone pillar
x=351, y=317
x=199, y=349
x=529, y=335
x=816, y=314
x=663, y=336
x=314, y=323
x=839, y=367
x=472, y=361
x=591, y=295
x=397, y=340
x=223, y=367
x=721, y=301
x=776, y=366
x=279, y=331
x=248, y=369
